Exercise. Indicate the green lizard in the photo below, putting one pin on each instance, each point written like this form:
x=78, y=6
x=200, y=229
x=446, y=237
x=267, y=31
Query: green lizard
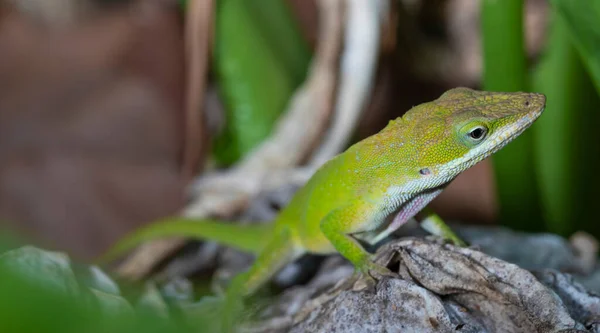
x=396, y=171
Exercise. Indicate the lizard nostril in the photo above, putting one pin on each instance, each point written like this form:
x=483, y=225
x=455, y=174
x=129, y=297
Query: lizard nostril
x=526, y=103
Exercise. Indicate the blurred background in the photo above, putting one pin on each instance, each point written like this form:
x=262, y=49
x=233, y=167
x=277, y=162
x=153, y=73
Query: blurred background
x=115, y=113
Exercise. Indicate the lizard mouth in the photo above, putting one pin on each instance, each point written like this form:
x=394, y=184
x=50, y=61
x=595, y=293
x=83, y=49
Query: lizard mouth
x=524, y=123
x=515, y=129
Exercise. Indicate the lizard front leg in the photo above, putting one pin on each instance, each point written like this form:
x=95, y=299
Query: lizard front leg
x=339, y=225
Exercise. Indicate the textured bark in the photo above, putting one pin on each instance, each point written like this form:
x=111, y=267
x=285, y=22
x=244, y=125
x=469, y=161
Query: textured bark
x=443, y=288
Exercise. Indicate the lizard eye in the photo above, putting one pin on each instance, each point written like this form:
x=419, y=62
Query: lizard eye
x=478, y=133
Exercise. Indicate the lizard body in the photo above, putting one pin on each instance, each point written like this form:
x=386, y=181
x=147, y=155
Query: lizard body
x=396, y=171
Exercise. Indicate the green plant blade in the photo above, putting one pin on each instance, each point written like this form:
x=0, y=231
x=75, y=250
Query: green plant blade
x=260, y=59
x=505, y=69
x=581, y=20
x=566, y=136
x=40, y=293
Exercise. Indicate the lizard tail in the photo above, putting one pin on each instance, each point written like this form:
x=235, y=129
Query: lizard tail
x=248, y=238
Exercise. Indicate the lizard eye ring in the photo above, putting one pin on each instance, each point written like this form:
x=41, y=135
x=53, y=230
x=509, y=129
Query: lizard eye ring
x=478, y=133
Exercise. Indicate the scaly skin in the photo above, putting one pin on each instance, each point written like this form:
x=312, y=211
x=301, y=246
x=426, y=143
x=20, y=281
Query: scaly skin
x=396, y=171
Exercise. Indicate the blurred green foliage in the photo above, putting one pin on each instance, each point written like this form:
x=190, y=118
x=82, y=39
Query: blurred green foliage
x=581, y=21
x=505, y=69
x=40, y=295
x=567, y=142
x=547, y=178
x=260, y=59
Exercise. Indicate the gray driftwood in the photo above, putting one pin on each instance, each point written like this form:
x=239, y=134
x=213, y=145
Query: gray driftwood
x=443, y=288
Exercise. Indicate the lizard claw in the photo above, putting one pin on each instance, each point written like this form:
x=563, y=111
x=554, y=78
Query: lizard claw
x=375, y=272
x=369, y=273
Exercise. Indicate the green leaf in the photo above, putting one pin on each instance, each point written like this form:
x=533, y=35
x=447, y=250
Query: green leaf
x=260, y=59
x=567, y=136
x=505, y=69
x=581, y=20
x=41, y=294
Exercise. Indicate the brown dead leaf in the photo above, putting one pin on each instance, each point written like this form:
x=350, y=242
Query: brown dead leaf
x=89, y=124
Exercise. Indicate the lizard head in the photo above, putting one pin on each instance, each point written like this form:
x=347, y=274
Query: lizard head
x=463, y=127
